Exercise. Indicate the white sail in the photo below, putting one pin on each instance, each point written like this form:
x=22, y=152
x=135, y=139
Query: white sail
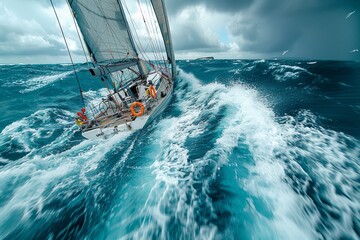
x=105, y=30
x=160, y=12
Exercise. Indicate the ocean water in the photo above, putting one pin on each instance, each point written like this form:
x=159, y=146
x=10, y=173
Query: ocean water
x=247, y=149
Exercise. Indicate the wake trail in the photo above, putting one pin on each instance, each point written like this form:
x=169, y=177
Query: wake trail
x=179, y=203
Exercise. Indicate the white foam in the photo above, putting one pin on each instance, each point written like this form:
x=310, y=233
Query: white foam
x=39, y=125
x=33, y=84
x=173, y=187
x=4, y=161
x=334, y=166
x=31, y=177
x=344, y=84
x=93, y=99
x=286, y=72
x=172, y=172
x=172, y=193
x=252, y=120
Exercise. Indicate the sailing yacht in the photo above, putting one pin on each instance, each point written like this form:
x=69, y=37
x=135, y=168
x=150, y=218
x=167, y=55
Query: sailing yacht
x=139, y=84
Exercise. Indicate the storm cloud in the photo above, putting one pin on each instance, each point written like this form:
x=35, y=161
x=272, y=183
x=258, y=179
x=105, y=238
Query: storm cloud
x=300, y=29
x=309, y=29
x=222, y=6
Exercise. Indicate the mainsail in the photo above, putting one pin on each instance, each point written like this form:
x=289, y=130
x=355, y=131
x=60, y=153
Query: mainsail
x=107, y=35
x=104, y=29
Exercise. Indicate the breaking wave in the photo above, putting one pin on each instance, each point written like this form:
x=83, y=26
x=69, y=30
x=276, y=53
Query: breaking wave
x=222, y=162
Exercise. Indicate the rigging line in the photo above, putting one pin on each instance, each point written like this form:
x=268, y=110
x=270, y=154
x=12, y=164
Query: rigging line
x=67, y=47
x=128, y=17
x=94, y=116
x=133, y=26
x=146, y=27
x=78, y=33
x=110, y=93
x=150, y=33
x=110, y=33
x=116, y=76
x=155, y=25
x=128, y=30
x=91, y=107
x=150, y=29
x=158, y=40
x=137, y=42
x=156, y=47
x=138, y=38
x=161, y=42
x=88, y=10
x=149, y=40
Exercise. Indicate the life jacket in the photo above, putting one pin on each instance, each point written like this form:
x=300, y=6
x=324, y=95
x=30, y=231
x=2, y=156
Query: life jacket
x=83, y=117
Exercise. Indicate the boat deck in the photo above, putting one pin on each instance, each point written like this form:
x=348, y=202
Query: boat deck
x=125, y=117
x=110, y=121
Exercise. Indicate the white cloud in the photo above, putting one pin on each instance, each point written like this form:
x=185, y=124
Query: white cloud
x=193, y=35
x=33, y=41
x=30, y=31
x=197, y=29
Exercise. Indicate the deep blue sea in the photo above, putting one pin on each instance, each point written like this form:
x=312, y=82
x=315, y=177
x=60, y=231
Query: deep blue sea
x=247, y=149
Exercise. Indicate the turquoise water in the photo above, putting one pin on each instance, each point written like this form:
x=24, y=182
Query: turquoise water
x=246, y=150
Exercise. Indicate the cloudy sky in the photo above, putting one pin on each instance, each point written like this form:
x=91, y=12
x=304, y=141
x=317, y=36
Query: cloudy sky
x=243, y=29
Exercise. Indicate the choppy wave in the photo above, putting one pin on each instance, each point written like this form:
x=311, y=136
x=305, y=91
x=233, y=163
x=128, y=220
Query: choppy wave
x=55, y=167
x=247, y=137
x=220, y=163
x=35, y=83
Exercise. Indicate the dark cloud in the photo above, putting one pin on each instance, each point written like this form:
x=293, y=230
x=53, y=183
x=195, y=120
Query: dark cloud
x=308, y=28
x=315, y=29
x=191, y=38
x=175, y=6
